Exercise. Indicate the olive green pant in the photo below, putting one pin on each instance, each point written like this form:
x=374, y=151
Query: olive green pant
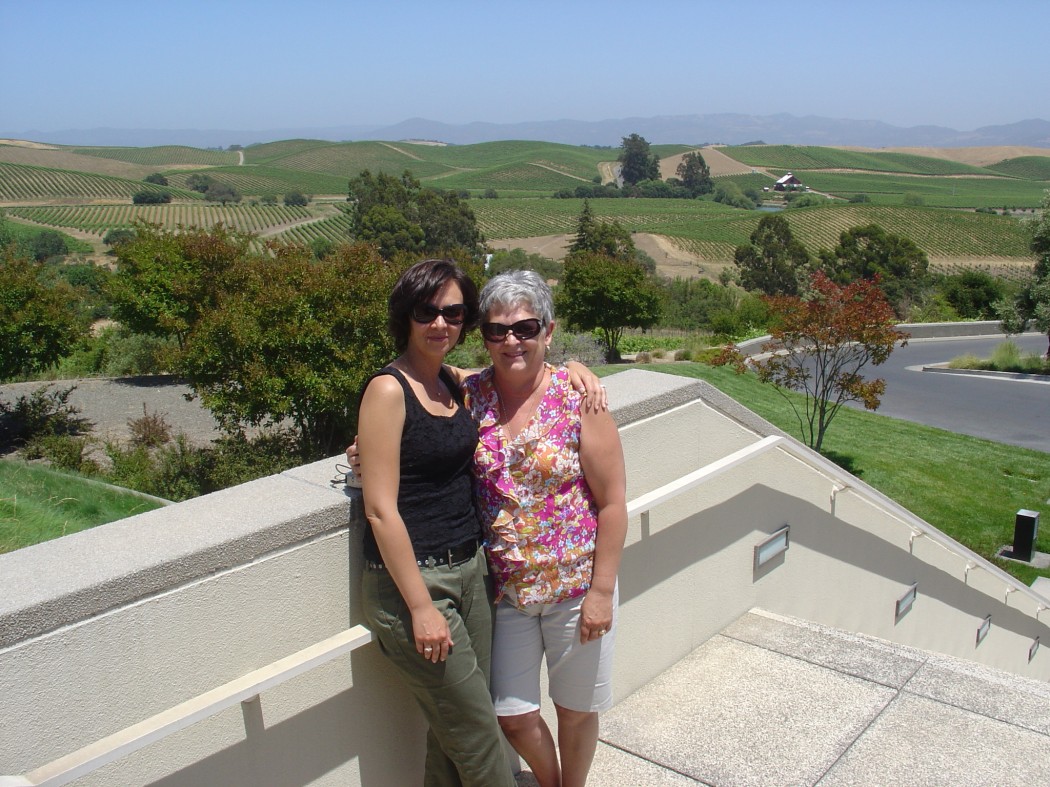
x=464, y=745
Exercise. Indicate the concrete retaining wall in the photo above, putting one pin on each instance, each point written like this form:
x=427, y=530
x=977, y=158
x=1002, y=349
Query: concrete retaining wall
x=104, y=628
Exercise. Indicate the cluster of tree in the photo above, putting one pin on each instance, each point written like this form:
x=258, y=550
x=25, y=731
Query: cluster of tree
x=637, y=161
x=520, y=260
x=39, y=319
x=36, y=244
x=603, y=288
x=212, y=189
x=640, y=173
x=399, y=215
x=1031, y=304
x=262, y=337
x=145, y=197
x=777, y=263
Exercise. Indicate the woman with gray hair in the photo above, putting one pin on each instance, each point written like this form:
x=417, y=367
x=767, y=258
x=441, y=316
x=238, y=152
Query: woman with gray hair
x=551, y=489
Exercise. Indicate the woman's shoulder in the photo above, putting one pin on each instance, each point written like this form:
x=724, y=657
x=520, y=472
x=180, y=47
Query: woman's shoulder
x=386, y=384
x=561, y=387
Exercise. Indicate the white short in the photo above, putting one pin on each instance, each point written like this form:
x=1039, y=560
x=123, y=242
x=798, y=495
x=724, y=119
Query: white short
x=579, y=676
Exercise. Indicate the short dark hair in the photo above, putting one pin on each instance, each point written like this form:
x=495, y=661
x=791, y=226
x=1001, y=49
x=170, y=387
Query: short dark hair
x=419, y=284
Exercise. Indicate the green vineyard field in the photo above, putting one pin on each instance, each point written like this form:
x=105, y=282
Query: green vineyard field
x=164, y=156
x=19, y=182
x=98, y=219
x=791, y=157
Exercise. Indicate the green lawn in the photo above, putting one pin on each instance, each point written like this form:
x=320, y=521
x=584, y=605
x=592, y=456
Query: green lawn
x=969, y=488
x=38, y=504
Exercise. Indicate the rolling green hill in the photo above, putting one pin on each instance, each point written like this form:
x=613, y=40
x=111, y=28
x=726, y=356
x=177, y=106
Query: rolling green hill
x=525, y=174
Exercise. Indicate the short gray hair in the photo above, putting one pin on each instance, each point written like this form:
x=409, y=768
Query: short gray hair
x=518, y=288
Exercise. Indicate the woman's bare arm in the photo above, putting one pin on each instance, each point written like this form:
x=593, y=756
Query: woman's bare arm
x=381, y=421
x=601, y=457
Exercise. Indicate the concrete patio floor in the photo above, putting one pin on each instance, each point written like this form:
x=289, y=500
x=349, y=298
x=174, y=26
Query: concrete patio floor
x=777, y=701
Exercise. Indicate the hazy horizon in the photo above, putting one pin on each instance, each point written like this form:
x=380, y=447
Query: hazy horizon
x=263, y=65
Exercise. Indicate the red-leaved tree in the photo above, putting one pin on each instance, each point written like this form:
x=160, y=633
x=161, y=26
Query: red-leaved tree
x=819, y=345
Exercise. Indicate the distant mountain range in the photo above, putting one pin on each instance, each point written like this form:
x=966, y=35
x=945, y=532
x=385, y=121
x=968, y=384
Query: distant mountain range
x=730, y=129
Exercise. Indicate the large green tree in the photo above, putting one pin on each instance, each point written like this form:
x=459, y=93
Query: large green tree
x=869, y=251
x=38, y=323
x=294, y=342
x=397, y=214
x=166, y=281
x=266, y=337
x=1032, y=302
x=637, y=161
x=598, y=292
x=695, y=174
x=774, y=263
x=601, y=237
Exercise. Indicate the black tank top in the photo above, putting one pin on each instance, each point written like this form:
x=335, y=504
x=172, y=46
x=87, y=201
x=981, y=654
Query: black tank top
x=435, y=496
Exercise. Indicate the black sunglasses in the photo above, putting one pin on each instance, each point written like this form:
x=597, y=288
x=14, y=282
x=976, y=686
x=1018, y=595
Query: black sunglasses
x=426, y=313
x=522, y=329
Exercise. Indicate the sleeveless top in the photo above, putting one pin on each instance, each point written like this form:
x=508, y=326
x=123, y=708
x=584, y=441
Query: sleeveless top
x=539, y=514
x=435, y=497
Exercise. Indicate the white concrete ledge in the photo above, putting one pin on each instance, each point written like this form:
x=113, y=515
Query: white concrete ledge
x=59, y=582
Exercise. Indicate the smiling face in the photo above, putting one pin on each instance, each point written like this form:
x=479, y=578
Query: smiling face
x=514, y=354
x=437, y=336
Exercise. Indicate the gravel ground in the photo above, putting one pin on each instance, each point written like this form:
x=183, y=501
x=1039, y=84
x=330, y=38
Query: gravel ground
x=109, y=403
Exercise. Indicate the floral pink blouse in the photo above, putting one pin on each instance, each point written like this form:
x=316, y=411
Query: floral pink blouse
x=540, y=516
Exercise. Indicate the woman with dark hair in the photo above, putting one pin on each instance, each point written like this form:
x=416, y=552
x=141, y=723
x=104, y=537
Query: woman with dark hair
x=424, y=590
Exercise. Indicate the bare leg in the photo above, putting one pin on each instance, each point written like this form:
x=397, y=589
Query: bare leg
x=531, y=738
x=577, y=740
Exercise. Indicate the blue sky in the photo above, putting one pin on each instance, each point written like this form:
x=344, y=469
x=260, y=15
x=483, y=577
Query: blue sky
x=182, y=64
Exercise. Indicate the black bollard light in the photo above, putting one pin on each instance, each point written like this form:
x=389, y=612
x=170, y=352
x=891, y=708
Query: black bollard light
x=1026, y=528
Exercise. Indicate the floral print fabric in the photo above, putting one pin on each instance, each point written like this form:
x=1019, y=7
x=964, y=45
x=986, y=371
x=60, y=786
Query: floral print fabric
x=539, y=513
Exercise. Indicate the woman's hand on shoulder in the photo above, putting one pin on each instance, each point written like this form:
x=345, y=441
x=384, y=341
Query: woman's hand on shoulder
x=589, y=385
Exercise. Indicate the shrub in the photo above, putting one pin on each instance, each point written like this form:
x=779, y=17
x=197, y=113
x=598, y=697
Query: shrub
x=296, y=199
x=220, y=192
x=582, y=347
x=44, y=412
x=118, y=235
x=116, y=352
x=682, y=355
x=150, y=430
x=64, y=452
x=156, y=178
x=47, y=244
x=150, y=197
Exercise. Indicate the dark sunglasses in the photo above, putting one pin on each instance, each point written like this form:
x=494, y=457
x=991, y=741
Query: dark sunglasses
x=522, y=329
x=426, y=313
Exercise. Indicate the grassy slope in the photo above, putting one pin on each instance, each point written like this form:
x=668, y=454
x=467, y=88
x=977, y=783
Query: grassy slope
x=38, y=504
x=918, y=466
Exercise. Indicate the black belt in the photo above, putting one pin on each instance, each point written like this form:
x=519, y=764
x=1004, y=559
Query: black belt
x=451, y=557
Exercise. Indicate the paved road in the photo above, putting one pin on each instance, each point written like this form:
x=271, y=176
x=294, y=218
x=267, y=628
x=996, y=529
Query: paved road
x=1008, y=411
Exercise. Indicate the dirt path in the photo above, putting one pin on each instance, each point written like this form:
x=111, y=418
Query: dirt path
x=402, y=152
x=560, y=172
x=670, y=260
